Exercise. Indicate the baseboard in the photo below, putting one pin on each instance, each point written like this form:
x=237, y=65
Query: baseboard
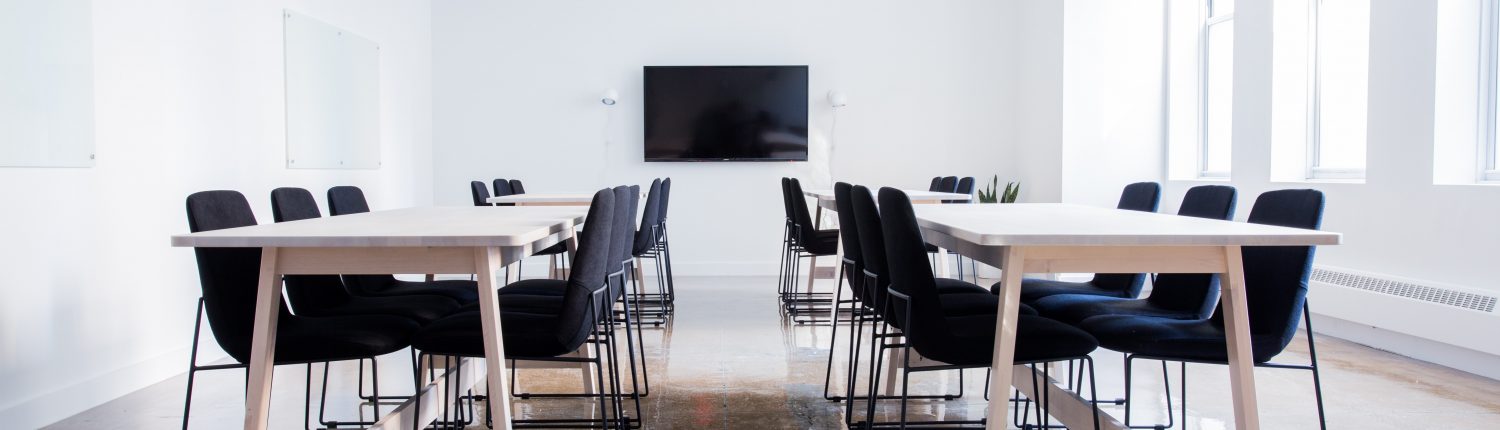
x=66, y=401
x=1443, y=354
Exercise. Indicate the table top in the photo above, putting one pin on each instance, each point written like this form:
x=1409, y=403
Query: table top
x=429, y=226
x=1043, y=224
x=915, y=195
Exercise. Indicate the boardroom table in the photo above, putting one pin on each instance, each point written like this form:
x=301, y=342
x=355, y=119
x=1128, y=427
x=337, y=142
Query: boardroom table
x=456, y=240
x=1062, y=238
x=547, y=199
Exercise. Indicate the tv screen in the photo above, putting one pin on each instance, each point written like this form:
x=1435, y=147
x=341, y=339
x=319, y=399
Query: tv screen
x=726, y=113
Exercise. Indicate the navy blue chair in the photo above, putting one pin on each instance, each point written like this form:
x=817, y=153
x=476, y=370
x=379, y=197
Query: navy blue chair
x=516, y=187
x=1173, y=295
x=229, y=277
x=949, y=184
x=501, y=187
x=1140, y=196
x=348, y=200
x=806, y=241
x=479, y=193
x=936, y=185
x=548, y=327
x=958, y=340
x=325, y=295
x=871, y=287
x=1276, y=295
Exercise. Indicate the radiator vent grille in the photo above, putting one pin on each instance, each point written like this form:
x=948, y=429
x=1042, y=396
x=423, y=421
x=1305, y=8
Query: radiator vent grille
x=1444, y=296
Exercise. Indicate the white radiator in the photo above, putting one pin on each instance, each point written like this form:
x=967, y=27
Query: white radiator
x=1458, y=316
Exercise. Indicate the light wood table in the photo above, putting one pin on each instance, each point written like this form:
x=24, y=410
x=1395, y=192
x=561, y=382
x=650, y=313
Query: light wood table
x=1058, y=238
x=474, y=240
x=542, y=199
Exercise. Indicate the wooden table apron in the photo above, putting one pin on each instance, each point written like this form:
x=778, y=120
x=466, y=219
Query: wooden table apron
x=483, y=261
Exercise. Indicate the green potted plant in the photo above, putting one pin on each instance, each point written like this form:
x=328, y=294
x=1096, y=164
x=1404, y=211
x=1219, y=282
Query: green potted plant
x=991, y=195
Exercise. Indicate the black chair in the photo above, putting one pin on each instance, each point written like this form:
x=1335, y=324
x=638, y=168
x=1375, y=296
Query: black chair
x=502, y=188
x=959, y=297
x=516, y=187
x=965, y=186
x=646, y=245
x=347, y=200
x=479, y=193
x=958, y=340
x=1275, y=292
x=548, y=327
x=1173, y=295
x=805, y=241
x=230, y=281
x=949, y=184
x=1140, y=196
x=936, y=185
x=663, y=248
x=325, y=295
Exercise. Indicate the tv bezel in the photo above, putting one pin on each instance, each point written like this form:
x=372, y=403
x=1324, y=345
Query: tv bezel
x=646, y=113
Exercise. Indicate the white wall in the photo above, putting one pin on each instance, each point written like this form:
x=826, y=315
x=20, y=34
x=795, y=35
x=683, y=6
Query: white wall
x=517, y=83
x=1111, y=98
x=188, y=97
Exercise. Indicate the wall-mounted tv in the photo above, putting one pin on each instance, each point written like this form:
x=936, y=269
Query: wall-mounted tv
x=726, y=113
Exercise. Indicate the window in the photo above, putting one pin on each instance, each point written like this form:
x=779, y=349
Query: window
x=1465, y=93
x=1199, y=68
x=1338, y=101
x=1216, y=89
x=1489, y=153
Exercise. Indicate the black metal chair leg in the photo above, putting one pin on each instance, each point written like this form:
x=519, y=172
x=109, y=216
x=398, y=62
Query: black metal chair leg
x=1312, y=355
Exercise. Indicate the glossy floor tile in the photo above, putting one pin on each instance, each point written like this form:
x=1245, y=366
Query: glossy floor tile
x=730, y=360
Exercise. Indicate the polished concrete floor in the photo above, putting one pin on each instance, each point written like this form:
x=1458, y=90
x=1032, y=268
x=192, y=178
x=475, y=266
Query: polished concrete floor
x=730, y=360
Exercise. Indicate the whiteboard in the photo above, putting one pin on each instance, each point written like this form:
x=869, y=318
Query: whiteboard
x=46, y=83
x=332, y=96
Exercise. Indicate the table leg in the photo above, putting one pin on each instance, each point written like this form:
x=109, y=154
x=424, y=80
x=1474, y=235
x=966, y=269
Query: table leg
x=812, y=263
x=263, y=344
x=942, y=263
x=1005, y=337
x=1237, y=330
x=486, y=264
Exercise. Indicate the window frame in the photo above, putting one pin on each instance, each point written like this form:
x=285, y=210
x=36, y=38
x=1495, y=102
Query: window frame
x=1315, y=171
x=1489, y=77
x=1209, y=19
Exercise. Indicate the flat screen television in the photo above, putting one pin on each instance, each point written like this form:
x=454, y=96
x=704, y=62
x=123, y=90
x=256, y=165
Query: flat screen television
x=726, y=113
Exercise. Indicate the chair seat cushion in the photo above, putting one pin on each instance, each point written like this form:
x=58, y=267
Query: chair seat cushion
x=420, y=308
x=463, y=291
x=1033, y=289
x=524, y=334
x=822, y=242
x=952, y=286
x=307, y=339
x=536, y=287
x=975, y=304
x=1074, y=308
x=530, y=295
x=1038, y=339
x=1199, y=340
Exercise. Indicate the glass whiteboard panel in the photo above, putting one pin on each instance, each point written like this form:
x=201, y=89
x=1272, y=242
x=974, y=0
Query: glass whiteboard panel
x=332, y=96
x=46, y=83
